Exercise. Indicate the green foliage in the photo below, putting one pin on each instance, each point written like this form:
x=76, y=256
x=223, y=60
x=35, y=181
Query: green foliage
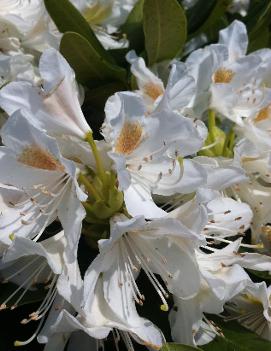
x=215, y=18
x=178, y=347
x=260, y=275
x=236, y=338
x=90, y=67
x=68, y=19
x=164, y=24
x=133, y=27
x=97, y=96
x=199, y=13
x=259, y=31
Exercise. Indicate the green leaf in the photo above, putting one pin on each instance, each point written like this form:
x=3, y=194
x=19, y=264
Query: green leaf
x=258, y=30
x=236, y=338
x=215, y=21
x=197, y=14
x=261, y=275
x=178, y=347
x=90, y=67
x=68, y=19
x=97, y=97
x=164, y=24
x=133, y=27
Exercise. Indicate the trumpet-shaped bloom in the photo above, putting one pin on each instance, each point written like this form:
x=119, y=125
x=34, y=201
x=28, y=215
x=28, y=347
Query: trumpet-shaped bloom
x=26, y=24
x=233, y=82
x=179, y=90
x=252, y=309
x=55, y=106
x=145, y=151
x=41, y=185
x=30, y=265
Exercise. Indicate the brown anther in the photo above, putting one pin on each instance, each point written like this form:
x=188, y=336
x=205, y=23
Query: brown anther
x=35, y=318
x=237, y=218
x=24, y=321
x=223, y=75
x=227, y=212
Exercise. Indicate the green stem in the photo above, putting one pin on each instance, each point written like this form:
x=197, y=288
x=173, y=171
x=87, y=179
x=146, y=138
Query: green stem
x=231, y=139
x=229, y=143
x=90, y=188
x=98, y=160
x=211, y=124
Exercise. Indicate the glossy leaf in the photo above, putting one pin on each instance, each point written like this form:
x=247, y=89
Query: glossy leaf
x=68, y=19
x=90, y=67
x=197, y=14
x=260, y=275
x=164, y=24
x=178, y=347
x=258, y=30
x=97, y=97
x=215, y=20
x=236, y=338
x=133, y=27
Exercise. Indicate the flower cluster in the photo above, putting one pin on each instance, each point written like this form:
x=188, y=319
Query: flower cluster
x=180, y=176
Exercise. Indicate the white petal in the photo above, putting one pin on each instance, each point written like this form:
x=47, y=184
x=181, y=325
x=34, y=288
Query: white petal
x=235, y=38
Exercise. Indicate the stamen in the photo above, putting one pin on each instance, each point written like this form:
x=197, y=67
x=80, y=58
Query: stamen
x=142, y=260
x=127, y=340
x=28, y=341
x=223, y=75
x=20, y=270
x=25, y=285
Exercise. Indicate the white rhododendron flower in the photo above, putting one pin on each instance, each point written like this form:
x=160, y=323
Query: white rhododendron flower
x=232, y=81
x=148, y=151
x=55, y=106
x=179, y=90
x=105, y=18
x=42, y=184
x=25, y=24
x=252, y=309
x=164, y=220
x=44, y=263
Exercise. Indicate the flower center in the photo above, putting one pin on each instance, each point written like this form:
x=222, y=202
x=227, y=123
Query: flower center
x=153, y=90
x=36, y=157
x=263, y=114
x=129, y=138
x=223, y=75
